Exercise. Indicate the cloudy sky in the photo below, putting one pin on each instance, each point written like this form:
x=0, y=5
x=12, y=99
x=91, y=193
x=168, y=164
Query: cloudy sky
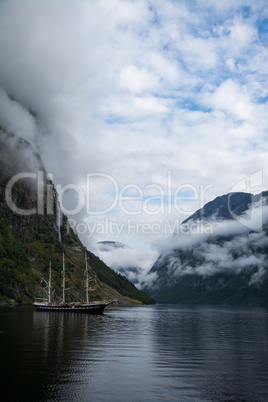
x=144, y=110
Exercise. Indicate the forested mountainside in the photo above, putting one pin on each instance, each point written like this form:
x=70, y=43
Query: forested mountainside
x=28, y=242
x=129, y=271
x=220, y=257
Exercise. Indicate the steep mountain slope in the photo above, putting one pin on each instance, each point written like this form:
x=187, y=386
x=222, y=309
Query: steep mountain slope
x=33, y=232
x=220, y=256
x=118, y=263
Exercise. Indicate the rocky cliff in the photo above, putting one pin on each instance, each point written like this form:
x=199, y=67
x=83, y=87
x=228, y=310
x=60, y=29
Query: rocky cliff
x=34, y=232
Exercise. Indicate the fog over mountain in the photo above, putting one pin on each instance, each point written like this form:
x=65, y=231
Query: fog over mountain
x=216, y=249
x=122, y=259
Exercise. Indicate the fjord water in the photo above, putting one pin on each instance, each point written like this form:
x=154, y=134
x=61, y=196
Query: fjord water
x=146, y=353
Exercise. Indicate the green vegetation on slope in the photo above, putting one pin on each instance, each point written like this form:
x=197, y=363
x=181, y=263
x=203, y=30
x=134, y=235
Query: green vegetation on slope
x=118, y=281
x=218, y=289
x=33, y=243
x=29, y=242
x=16, y=278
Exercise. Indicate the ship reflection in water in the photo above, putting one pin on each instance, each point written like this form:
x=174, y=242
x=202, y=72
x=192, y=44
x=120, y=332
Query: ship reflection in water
x=135, y=353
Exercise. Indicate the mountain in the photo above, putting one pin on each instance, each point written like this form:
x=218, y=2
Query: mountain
x=108, y=246
x=219, y=255
x=226, y=207
x=33, y=232
x=119, y=263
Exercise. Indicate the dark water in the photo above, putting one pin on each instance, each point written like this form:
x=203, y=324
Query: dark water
x=148, y=353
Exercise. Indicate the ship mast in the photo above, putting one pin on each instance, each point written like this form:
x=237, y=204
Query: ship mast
x=86, y=274
x=63, y=280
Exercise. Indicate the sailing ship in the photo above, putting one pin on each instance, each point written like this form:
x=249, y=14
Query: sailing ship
x=74, y=307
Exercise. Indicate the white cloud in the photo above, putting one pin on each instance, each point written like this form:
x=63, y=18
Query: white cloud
x=137, y=89
x=14, y=118
x=233, y=99
x=214, y=246
x=138, y=80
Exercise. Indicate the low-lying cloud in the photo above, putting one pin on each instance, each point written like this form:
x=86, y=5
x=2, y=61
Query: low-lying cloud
x=229, y=247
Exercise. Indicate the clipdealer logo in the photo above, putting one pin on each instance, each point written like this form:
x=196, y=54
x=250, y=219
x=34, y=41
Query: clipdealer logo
x=100, y=199
x=133, y=226
x=101, y=196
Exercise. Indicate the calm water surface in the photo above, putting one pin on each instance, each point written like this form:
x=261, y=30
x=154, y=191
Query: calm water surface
x=147, y=353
